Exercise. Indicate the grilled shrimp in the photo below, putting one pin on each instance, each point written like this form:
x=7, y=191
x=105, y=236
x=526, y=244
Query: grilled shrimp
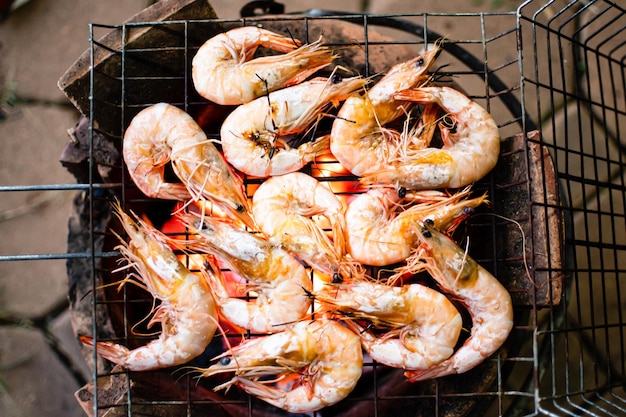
x=254, y=136
x=187, y=311
x=382, y=228
x=163, y=132
x=224, y=72
x=281, y=282
x=487, y=301
x=358, y=138
x=422, y=325
x=284, y=207
x=466, y=156
x=317, y=363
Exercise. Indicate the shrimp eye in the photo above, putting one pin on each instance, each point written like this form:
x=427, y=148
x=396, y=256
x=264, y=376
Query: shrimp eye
x=335, y=79
x=224, y=361
x=401, y=192
x=240, y=208
x=468, y=210
x=429, y=222
x=426, y=233
x=419, y=62
x=337, y=278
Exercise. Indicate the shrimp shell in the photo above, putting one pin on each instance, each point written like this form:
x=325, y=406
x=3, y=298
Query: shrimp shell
x=487, y=301
x=466, y=156
x=282, y=284
x=422, y=325
x=322, y=359
x=382, y=228
x=224, y=72
x=254, y=135
x=187, y=312
x=163, y=132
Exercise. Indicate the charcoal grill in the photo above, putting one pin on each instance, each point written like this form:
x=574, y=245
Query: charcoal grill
x=558, y=98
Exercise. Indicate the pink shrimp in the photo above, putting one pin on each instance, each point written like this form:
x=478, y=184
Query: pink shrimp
x=163, y=132
x=487, y=301
x=280, y=281
x=421, y=326
x=319, y=361
x=187, y=312
x=224, y=72
x=466, y=156
x=381, y=227
x=359, y=139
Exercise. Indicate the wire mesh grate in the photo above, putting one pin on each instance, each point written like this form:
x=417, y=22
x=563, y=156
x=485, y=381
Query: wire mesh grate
x=561, y=86
x=574, y=81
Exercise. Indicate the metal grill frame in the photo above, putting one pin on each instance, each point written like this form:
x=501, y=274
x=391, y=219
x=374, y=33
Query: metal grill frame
x=550, y=382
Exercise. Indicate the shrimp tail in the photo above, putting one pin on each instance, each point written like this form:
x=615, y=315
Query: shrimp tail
x=423, y=374
x=415, y=95
x=315, y=148
x=111, y=351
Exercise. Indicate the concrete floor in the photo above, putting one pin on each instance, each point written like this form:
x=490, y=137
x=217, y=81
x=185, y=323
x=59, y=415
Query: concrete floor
x=40, y=362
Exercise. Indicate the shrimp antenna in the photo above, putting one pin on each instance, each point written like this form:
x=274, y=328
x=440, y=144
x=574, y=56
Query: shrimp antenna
x=293, y=39
x=438, y=75
x=521, y=229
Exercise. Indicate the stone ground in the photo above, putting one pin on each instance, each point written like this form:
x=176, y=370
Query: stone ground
x=40, y=363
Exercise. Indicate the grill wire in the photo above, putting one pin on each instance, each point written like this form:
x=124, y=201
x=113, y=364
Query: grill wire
x=563, y=358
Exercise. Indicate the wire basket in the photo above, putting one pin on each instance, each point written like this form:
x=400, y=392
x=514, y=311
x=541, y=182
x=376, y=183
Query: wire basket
x=558, y=98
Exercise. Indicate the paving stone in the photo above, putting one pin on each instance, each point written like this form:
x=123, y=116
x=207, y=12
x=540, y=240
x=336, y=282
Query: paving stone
x=40, y=40
x=596, y=301
x=31, y=288
x=33, y=137
x=33, y=382
x=68, y=344
x=36, y=221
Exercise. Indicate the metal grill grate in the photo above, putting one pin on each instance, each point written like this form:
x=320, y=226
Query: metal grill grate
x=564, y=77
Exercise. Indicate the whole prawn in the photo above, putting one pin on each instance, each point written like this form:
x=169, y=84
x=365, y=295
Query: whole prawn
x=318, y=363
x=224, y=72
x=466, y=156
x=254, y=136
x=382, y=227
x=421, y=325
x=281, y=282
x=487, y=301
x=285, y=207
x=163, y=132
x=358, y=138
x=187, y=311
